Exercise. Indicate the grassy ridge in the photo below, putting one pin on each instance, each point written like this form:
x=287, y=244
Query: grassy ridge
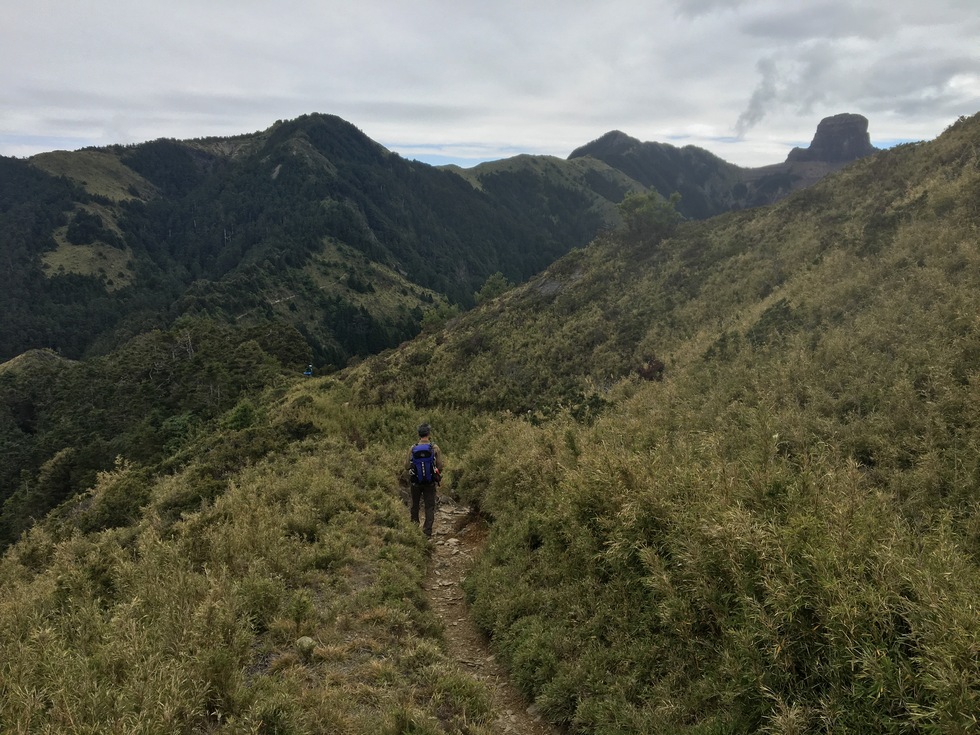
x=779, y=533
x=101, y=173
x=783, y=535
x=901, y=223
x=189, y=621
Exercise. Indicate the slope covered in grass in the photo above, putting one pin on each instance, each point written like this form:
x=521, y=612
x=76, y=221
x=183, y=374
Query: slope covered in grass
x=193, y=618
x=732, y=478
x=783, y=533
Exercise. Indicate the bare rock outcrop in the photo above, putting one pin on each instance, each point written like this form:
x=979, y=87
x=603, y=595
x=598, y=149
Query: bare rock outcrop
x=839, y=139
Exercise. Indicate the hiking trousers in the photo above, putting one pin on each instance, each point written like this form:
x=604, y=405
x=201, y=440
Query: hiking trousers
x=426, y=493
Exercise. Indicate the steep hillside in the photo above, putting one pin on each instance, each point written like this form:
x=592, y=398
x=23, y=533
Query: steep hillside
x=64, y=421
x=704, y=181
x=771, y=521
x=604, y=311
x=729, y=469
x=249, y=228
x=132, y=237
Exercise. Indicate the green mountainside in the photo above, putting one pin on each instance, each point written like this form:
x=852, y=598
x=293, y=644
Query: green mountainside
x=290, y=225
x=307, y=243
x=710, y=186
x=104, y=244
x=705, y=182
x=730, y=468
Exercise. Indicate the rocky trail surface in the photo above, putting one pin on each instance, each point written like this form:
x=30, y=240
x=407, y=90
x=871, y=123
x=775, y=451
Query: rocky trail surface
x=457, y=538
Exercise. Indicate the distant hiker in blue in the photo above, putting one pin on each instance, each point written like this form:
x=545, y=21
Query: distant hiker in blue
x=424, y=465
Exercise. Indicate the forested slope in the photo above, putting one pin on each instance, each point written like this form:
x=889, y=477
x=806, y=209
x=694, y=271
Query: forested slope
x=293, y=225
x=304, y=244
x=308, y=235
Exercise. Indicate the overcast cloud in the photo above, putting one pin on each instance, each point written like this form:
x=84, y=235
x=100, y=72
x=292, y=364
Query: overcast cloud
x=467, y=81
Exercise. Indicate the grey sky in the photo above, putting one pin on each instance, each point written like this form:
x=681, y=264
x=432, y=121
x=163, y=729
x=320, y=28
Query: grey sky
x=467, y=81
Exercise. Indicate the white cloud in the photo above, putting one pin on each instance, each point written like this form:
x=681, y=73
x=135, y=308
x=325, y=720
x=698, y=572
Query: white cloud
x=746, y=79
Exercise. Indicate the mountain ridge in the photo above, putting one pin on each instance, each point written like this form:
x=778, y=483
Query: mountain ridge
x=304, y=244
x=778, y=531
x=530, y=189
x=709, y=185
x=198, y=210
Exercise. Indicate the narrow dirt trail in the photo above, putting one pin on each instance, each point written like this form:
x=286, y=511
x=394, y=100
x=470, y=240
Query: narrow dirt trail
x=457, y=539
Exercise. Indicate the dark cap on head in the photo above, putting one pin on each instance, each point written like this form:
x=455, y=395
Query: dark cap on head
x=425, y=430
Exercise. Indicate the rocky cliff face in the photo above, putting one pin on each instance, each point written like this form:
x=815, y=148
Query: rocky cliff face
x=839, y=139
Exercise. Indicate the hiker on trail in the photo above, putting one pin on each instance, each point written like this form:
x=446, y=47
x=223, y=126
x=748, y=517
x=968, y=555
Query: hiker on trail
x=424, y=465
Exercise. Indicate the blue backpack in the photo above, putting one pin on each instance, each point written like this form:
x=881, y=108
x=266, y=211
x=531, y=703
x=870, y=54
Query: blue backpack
x=424, y=470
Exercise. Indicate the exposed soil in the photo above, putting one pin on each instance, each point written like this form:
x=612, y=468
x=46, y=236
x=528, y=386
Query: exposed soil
x=457, y=538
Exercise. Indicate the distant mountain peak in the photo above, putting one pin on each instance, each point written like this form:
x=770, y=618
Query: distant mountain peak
x=615, y=141
x=839, y=139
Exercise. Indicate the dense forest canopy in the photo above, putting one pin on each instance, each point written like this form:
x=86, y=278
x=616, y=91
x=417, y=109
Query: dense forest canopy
x=195, y=215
